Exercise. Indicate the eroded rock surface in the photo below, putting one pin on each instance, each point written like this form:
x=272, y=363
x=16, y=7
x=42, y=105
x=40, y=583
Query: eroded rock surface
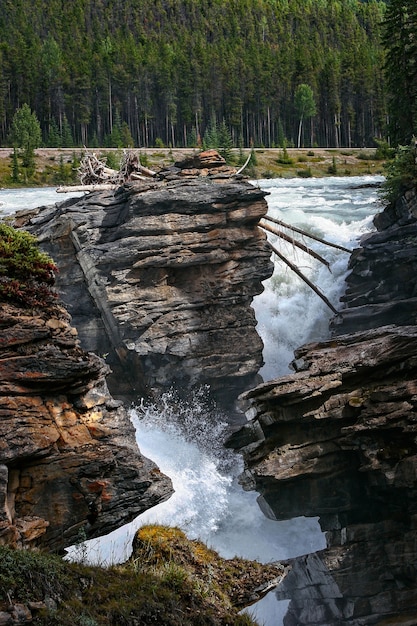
x=69, y=464
x=160, y=276
x=337, y=439
x=382, y=286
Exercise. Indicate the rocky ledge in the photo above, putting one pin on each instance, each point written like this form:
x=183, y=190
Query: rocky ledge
x=160, y=276
x=69, y=464
x=337, y=439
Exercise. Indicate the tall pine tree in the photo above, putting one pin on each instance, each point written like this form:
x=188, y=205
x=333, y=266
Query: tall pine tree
x=400, y=41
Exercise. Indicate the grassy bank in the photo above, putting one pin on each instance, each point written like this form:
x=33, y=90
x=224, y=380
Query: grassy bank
x=54, y=167
x=169, y=580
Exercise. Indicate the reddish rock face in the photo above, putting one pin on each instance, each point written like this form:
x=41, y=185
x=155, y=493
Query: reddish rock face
x=69, y=464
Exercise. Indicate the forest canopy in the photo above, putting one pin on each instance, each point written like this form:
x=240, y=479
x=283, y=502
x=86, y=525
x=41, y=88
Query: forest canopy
x=156, y=72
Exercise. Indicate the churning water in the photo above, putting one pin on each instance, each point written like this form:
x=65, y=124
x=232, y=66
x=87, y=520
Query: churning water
x=185, y=439
x=339, y=210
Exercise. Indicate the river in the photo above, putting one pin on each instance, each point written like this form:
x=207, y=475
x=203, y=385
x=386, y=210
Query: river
x=186, y=441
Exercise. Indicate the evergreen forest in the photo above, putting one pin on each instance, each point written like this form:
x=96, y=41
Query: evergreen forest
x=148, y=73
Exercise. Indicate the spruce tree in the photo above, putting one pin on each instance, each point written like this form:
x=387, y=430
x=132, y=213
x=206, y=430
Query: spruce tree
x=400, y=28
x=26, y=135
x=305, y=106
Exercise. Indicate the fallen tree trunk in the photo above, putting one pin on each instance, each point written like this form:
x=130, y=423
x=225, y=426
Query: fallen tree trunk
x=305, y=233
x=295, y=269
x=295, y=243
x=76, y=188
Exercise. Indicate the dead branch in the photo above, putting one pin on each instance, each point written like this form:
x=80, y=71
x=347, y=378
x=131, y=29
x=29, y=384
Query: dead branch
x=296, y=243
x=306, y=234
x=295, y=269
x=93, y=171
x=244, y=165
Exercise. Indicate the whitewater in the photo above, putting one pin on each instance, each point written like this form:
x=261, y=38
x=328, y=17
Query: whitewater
x=185, y=439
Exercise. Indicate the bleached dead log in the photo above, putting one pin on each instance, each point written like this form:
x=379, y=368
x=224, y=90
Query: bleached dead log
x=295, y=269
x=93, y=171
x=295, y=243
x=146, y=171
x=305, y=233
x=77, y=188
x=131, y=167
x=244, y=165
x=138, y=177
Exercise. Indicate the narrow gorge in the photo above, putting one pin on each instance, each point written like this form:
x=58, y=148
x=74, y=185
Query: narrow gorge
x=337, y=439
x=155, y=282
x=158, y=278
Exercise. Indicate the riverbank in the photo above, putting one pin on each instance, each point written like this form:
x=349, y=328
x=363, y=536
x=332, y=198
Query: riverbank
x=56, y=166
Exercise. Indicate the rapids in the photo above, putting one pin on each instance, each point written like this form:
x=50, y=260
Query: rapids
x=185, y=439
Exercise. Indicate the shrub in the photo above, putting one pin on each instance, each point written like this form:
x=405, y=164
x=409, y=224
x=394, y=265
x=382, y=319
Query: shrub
x=26, y=274
x=401, y=173
x=284, y=158
x=332, y=169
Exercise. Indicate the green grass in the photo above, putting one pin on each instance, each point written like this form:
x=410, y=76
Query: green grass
x=169, y=580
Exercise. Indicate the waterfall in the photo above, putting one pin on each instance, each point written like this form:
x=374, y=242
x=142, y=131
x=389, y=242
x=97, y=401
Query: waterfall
x=185, y=438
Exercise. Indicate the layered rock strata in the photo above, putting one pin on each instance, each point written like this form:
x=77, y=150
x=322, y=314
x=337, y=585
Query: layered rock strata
x=381, y=288
x=70, y=468
x=337, y=439
x=160, y=277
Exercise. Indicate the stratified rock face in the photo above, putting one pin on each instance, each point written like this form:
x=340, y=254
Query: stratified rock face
x=69, y=464
x=382, y=286
x=342, y=426
x=161, y=276
x=338, y=439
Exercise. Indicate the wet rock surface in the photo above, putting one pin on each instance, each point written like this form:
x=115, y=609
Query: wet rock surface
x=337, y=439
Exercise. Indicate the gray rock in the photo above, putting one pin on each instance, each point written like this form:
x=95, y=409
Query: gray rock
x=160, y=277
x=338, y=439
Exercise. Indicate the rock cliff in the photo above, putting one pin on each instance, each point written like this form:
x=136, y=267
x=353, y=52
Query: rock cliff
x=160, y=277
x=382, y=286
x=69, y=464
x=337, y=439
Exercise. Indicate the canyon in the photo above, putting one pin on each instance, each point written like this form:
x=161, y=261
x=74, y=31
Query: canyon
x=337, y=440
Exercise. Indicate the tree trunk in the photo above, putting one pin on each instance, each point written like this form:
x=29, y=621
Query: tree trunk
x=300, y=126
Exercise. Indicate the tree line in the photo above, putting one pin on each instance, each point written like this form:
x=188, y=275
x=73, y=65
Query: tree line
x=167, y=72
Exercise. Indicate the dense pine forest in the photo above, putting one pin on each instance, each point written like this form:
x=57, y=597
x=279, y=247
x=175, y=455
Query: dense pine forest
x=172, y=72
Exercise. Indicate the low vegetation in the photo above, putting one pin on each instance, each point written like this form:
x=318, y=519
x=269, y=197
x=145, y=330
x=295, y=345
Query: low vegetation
x=169, y=580
x=27, y=275
x=401, y=173
x=54, y=167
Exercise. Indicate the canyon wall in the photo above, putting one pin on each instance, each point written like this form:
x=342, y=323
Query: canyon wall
x=338, y=439
x=70, y=468
x=159, y=276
